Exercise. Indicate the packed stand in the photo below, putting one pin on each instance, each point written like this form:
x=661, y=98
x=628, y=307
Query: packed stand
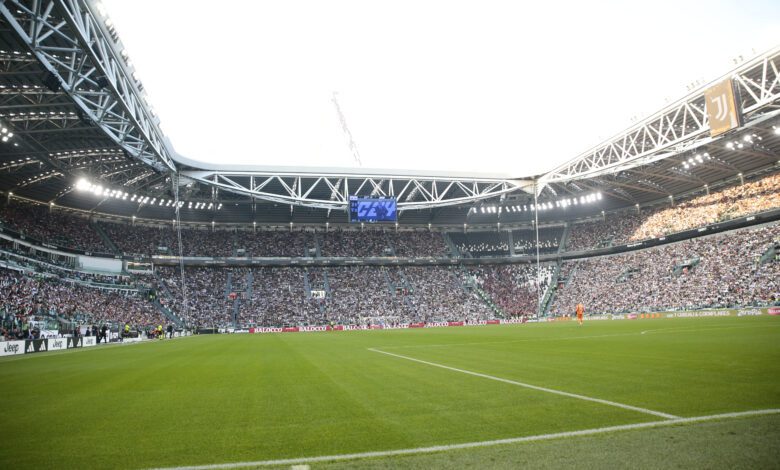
x=418, y=244
x=719, y=271
x=51, y=226
x=438, y=293
x=368, y=243
x=524, y=241
x=148, y=240
x=264, y=243
x=515, y=288
x=737, y=201
x=141, y=239
x=24, y=296
x=207, y=295
x=604, y=233
x=363, y=294
x=480, y=244
x=279, y=299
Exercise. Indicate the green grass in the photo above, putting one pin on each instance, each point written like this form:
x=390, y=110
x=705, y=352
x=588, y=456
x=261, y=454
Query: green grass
x=216, y=399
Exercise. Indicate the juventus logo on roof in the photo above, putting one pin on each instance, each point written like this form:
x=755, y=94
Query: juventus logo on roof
x=720, y=103
x=722, y=108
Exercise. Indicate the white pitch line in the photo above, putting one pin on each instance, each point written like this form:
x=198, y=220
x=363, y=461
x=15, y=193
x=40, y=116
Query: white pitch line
x=471, y=445
x=533, y=387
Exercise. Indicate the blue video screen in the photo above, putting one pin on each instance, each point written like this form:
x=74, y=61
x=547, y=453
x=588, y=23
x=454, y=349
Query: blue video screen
x=370, y=209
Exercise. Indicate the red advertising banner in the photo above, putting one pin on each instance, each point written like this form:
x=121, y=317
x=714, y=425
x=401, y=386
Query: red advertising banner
x=774, y=310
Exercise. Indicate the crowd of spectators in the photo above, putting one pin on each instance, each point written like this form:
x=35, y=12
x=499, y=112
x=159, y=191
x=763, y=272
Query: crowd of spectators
x=612, y=229
x=525, y=240
x=439, y=293
x=717, y=271
x=279, y=299
x=737, y=201
x=155, y=240
x=51, y=226
x=208, y=300
x=515, y=288
x=479, y=244
x=366, y=243
x=418, y=244
x=277, y=296
x=26, y=296
x=362, y=294
x=284, y=243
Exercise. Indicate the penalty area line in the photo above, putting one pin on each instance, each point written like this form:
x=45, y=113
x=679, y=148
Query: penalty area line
x=471, y=445
x=533, y=387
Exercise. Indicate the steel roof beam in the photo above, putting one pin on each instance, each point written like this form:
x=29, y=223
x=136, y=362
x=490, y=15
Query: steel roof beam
x=416, y=193
x=69, y=40
x=680, y=127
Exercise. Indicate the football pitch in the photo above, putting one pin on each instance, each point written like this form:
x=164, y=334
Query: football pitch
x=643, y=394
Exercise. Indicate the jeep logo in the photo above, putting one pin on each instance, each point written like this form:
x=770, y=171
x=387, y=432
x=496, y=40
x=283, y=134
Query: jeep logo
x=11, y=348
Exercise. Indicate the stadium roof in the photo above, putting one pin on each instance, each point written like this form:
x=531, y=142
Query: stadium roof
x=79, y=118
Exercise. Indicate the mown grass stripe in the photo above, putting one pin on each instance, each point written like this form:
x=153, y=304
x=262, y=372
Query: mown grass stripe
x=533, y=387
x=470, y=445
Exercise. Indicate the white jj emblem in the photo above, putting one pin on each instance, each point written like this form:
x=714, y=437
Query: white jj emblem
x=720, y=104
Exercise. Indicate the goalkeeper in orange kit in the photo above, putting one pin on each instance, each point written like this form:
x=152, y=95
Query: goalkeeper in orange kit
x=580, y=312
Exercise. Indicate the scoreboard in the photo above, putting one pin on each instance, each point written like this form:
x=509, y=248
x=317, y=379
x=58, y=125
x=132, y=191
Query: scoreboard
x=372, y=209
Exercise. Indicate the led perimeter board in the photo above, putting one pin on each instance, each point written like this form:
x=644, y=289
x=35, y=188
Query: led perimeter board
x=372, y=209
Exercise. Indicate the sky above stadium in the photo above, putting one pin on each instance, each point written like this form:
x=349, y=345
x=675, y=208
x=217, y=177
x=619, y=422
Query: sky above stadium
x=486, y=86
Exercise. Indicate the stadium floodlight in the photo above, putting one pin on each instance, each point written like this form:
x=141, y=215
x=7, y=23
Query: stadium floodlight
x=747, y=138
x=10, y=134
x=777, y=130
x=189, y=206
x=3, y=130
x=730, y=145
x=599, y=195
x=132, y=199
x=482, y=209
